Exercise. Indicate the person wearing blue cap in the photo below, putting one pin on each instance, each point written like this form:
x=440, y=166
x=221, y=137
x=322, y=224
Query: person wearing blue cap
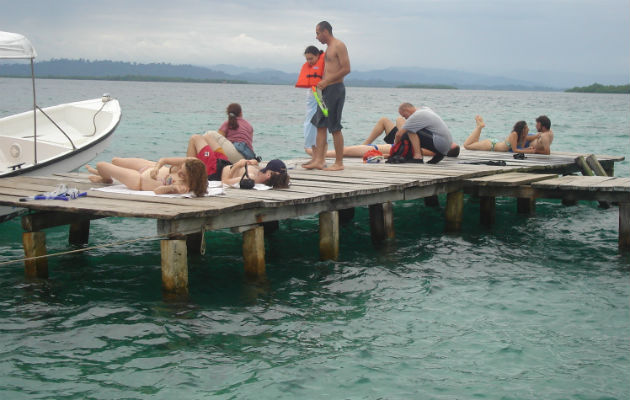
x=274, y=174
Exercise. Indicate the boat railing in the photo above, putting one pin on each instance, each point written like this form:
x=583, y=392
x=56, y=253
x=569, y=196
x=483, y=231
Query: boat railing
x=58, y=127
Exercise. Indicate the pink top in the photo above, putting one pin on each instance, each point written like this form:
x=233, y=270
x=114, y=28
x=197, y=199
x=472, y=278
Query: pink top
x=244, y=132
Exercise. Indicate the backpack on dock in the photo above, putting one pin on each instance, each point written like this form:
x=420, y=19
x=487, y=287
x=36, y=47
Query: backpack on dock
x=401, y=152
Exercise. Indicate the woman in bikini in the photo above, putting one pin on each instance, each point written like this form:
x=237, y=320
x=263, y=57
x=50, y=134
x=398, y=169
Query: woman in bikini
x=274, y=174
x=516, y=141
x=168, y=175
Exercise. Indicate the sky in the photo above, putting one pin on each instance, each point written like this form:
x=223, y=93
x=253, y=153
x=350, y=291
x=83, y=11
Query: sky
x=570, y=39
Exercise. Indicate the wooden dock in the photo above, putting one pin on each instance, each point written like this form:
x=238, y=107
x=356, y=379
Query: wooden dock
x=181, y=222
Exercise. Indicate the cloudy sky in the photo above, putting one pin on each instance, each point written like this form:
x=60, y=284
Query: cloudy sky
x=515, y=38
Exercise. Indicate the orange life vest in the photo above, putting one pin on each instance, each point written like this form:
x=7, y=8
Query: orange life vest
x=310, y=75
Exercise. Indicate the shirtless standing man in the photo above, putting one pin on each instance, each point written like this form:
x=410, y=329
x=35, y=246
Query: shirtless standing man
x=334, y=93
x=542, y=144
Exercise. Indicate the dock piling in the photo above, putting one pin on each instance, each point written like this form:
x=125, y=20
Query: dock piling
x=34, y=246
x=174, y=256
x=432, y=201
x=381, y=222
x=329, y=235
x=254, y=251
x=624, y=227
x=526, y=205
x=79, y=232
x=487, y=210
x=454, y=211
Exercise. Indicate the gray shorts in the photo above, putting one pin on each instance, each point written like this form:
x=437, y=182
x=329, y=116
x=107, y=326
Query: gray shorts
x=334, y=97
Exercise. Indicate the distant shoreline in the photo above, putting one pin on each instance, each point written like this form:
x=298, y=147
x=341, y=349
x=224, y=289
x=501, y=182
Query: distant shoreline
x=132, y=78
x=426, y=86
x=599, y=88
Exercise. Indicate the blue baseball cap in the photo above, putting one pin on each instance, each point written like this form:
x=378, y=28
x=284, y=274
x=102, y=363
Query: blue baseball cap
x=275, y=166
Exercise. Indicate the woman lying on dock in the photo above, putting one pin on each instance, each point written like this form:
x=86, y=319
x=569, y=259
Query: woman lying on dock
x=274, y=174
x=185, y=174
x=518, y=141
x=218, y=168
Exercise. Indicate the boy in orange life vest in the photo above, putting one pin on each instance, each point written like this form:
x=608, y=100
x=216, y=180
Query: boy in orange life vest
x=310, y=75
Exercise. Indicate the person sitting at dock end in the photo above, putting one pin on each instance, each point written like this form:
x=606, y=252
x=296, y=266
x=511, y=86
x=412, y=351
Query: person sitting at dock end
x=185, y=174
x=517, y=141
x=274, y=174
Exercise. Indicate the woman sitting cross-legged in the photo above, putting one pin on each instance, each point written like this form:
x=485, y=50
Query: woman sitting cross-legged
x=183, y=175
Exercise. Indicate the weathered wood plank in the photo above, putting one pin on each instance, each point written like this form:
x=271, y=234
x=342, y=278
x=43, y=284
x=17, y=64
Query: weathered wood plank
x=509, y=179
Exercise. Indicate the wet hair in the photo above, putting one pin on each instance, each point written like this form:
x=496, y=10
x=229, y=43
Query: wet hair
x=197, y=176
x=313, y=50
x=544, y=121
x=519, y=128
x=325, y=25
x=278, y=180
x=233, y=111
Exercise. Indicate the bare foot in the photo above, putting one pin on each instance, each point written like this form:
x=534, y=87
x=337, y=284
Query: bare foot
x=99, y=179
x=306, y=164
x=334, y=167
x=314, y=165
x=91, y=170
x=480, y=122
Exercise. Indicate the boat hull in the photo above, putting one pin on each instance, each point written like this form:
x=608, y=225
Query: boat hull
x=88, y=125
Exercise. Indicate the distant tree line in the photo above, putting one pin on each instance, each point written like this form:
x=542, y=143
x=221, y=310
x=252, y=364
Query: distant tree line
x=426, y=86
x=599, y=88
x=70, y=69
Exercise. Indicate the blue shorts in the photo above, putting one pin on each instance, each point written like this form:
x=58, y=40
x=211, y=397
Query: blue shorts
x=245, y=151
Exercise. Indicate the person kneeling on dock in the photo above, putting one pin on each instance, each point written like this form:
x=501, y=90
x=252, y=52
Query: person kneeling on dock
x=184, y=175
x=274, y=174
x=389, y=128
x=426, y=129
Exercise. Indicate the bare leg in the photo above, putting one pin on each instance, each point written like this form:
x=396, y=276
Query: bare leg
x=311, y=152
x=198, y=142
x=415, y=145
x=338, y=140
x=132, y=163
x=128, y=177
x=319, y=160
x=384, y=124
x=473, y=142
x=96, y=177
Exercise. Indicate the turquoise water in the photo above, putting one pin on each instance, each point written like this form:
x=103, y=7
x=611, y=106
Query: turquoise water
x=535, y=307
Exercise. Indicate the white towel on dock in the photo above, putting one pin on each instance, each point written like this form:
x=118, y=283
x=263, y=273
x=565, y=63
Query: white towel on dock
x=215, y=188
x=258, y=186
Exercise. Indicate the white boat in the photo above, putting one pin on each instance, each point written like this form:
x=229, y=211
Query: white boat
x=54, y=139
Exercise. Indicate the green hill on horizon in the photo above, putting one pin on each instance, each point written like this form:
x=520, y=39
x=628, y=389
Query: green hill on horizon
x=599, y=88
